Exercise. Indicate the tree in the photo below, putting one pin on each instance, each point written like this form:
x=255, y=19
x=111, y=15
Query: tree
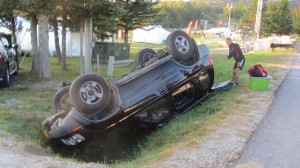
x=137, y=12
x=43, y=41
x=249, y=16
x=269, y=17
x=55, y=25
x=64, y=39
x=285, y=19
x=178, y=14
x=37, y=11
x=105, y=17
x=296, y=21
x=34, y=44
x=278, y=20
x=8, y=13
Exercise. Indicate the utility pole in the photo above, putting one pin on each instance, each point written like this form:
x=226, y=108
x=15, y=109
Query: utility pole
x=258, y=18
x=229, y=6
x=89, y=44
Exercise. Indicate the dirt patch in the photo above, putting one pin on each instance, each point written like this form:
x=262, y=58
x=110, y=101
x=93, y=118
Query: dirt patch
x=48, y=84
x=17, y=154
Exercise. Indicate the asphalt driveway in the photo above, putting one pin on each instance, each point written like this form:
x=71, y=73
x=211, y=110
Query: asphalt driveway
x=276, y=142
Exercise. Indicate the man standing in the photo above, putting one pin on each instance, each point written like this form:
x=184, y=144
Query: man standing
x=235, y=52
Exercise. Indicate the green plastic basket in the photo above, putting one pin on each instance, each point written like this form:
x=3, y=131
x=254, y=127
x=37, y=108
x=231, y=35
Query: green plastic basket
x=260, y=83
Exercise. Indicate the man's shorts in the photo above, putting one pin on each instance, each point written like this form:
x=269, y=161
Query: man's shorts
x=241, y=65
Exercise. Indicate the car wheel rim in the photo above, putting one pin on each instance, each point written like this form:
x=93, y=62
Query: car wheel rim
x=65, y=101
x=147, y=57
x=91, y=92
x=182, y=44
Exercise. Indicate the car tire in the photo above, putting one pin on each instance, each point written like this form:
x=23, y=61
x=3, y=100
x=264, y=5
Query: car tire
x=180, y=46
x=6, y=79
x=89, y=93
x=144, y=55
x=61, y=100
x=67, y=83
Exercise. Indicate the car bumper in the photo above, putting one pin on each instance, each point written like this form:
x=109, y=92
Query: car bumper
x=2, y=71
x=59, y=125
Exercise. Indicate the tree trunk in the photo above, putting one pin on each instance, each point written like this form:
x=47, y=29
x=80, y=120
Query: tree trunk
x=64, y=41
x=56, y=40
x=34, y=45
x=44, y=71
x=13, y=30
x=126, y=36
x=125, y=24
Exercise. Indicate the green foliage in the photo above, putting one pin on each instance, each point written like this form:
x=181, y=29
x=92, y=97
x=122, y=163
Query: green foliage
x=136, y=13
x=278, y=19
x=296, y=21
x=105, y=17
x=177, y=14
x=268, y=21
x=249, y=15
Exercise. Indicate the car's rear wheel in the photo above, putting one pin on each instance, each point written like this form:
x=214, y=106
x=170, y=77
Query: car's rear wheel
x=61, y=100
x=6, y=79
x=180, y=46
x=144, y=55
x=89, y=93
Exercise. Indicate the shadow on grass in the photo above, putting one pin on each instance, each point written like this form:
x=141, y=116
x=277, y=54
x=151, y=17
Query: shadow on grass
x=117, y=145
x=123, y=143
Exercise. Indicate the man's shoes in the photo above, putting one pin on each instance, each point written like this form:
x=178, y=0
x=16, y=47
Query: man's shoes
x=235, y=84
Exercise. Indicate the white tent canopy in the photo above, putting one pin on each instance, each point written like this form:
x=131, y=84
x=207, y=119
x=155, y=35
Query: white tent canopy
x=226, y=32
x=150, y=34
x=5, y=30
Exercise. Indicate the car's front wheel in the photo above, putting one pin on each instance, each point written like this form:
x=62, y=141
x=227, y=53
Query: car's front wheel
x=89, y=93
x=61, y=100
x=180, y=46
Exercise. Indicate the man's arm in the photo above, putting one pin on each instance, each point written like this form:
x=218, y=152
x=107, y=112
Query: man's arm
x=239, y=52
x=230, y=54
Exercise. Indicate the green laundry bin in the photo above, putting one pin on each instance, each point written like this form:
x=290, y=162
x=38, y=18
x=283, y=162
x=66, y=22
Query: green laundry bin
x=260, y=83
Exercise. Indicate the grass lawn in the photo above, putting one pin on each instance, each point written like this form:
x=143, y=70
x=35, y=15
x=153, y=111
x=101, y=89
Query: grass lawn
x=23, y=108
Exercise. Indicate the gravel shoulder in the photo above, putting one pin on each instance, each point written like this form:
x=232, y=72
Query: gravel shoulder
x=221, y=147
x=16, y=154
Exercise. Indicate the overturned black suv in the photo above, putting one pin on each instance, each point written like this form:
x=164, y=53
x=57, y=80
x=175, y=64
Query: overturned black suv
x=167, y=82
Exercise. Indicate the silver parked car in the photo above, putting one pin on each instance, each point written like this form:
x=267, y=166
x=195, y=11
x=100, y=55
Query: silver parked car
x=9, y=64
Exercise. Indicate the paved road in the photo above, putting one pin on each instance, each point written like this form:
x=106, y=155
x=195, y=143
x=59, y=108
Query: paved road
x=276, y=142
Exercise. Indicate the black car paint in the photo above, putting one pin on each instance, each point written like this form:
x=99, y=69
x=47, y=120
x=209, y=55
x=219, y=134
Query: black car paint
x=137, y=91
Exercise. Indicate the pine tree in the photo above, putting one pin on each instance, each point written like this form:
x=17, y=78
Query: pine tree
x=278, y=20
x=269, y=17
x=285, y=19
x=137, y=12
x=296, y=21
